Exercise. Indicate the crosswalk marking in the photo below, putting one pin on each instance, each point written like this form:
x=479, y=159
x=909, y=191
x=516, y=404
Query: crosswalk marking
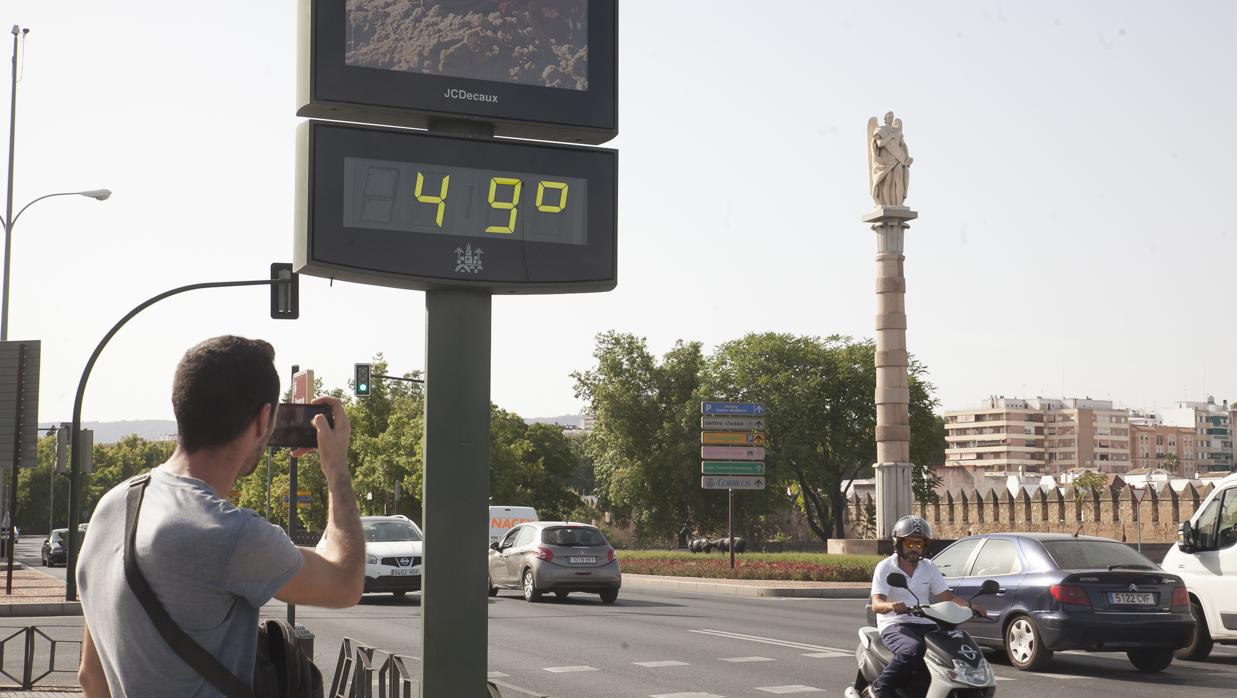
x=496, y=675
x=797, y=688
x=744, y=659
x=694, y=694
x=827, y=655
x=654, y=665
x=568, y=669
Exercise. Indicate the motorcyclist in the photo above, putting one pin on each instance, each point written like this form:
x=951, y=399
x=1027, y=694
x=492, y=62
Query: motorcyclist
x=902, y=633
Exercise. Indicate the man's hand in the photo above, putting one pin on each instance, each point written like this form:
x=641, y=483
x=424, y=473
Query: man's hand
x=979, y=609
x=898, y=607
x=332, y=441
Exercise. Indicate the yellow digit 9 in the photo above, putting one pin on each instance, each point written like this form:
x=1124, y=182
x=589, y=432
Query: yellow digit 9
x=503, y=205
x=562, y=196
x=427, y=199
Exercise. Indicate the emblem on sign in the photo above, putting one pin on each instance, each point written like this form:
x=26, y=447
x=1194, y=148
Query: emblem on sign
x=468, y=259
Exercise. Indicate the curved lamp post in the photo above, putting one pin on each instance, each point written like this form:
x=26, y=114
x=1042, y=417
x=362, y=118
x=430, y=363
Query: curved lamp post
x=97, y=194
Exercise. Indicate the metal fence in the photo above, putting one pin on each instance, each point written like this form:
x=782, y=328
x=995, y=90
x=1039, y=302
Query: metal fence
x=361, y=670
x=38, y=653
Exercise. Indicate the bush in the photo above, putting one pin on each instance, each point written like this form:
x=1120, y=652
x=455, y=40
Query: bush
x=804, y=567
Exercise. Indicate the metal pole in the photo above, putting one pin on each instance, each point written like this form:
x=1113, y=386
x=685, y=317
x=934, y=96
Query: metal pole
x=21, y=369
x=292, y=503
x=454, y=605
x=75, y=457
x=270, y=456
x=730, y=525
x=8, y=206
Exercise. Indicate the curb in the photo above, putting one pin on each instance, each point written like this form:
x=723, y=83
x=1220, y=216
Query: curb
x=695, y=585
x=22, y=610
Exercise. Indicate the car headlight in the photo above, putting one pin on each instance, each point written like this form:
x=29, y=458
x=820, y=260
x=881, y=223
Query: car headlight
x=371, y=559
x=973, y=675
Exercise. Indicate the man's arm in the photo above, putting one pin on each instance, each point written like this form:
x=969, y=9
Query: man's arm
x=881, y=604
x=90, y=674
x=333, y=575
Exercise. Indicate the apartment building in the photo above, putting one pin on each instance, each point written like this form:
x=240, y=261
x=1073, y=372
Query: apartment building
x=1086, y=433
x=1002, y=435
x=1213, y=431
x=1155, y=445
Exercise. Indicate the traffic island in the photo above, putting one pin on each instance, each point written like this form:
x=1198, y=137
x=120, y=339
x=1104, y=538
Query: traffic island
x=36, y=594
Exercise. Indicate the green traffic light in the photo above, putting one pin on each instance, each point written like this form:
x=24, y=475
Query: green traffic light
x=362, y=387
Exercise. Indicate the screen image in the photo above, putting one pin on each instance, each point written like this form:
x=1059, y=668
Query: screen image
x=530, y=42
x=428, y=198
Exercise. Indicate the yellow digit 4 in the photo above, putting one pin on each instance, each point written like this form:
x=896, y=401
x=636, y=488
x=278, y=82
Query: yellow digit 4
x=562, y=196
x=441, y=199
x=515, y=199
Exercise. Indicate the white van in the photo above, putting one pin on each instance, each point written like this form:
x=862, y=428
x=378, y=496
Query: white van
x=1205, y=557
x=503, y=519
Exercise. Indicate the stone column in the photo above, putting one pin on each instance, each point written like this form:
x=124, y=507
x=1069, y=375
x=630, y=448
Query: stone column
x=893, y=428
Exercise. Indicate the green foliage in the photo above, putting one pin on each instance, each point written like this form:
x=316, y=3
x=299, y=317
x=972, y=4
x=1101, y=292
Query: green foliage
x=1089, y=482
x=772, y=566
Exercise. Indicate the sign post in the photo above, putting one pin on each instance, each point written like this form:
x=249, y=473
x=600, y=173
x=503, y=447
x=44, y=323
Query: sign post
x=302, y=391
x=732, y=432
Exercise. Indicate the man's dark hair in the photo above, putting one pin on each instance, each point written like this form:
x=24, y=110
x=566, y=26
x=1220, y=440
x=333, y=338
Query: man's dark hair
x=220, y=386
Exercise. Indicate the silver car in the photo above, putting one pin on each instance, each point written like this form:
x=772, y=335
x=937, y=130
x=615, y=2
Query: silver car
x=556, y=557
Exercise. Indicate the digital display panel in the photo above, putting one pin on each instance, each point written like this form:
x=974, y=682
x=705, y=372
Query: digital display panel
x=410, y=209
x=542, y=43
x=542, y=69
x=419, y=197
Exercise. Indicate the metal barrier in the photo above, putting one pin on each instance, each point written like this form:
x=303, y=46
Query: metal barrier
x=354, y=674
x=28, y=637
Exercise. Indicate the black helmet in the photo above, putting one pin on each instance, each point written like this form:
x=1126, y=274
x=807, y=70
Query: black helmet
x=912, y=525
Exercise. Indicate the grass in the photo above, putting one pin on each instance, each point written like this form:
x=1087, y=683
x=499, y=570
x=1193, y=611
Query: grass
x=805, y=567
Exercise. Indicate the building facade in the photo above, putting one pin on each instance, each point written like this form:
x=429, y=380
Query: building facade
x=1155, y=445
x=1213, y=431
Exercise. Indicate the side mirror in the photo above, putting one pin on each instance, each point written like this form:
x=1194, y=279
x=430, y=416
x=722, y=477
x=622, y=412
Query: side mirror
x=1186, y=537
x=989, y=587
x=896, y=579
x=494, y=546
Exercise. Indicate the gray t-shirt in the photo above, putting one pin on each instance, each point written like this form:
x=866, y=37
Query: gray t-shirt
x=211, y=564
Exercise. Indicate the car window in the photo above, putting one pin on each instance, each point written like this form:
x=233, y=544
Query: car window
x=572, y=535
x=509, y=539
x=952, y=560
x=1205, y=524
x=527, y=533
x=389, y=531
x=998, y=557
x=1081, y=554
x=1227, y=533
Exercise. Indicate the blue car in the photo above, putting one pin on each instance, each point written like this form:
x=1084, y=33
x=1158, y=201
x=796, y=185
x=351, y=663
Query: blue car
x=1064, y=592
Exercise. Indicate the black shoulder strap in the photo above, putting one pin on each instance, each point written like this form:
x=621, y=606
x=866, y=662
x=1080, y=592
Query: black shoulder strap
x=194, y=655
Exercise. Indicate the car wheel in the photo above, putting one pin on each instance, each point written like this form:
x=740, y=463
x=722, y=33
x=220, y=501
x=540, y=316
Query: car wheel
x=531, y=593
x=399, y=594
x=1150, y=661
x=1023, y=645
x=1200, y=642
x=562, y=595
x=609, y=596
x=493, y=589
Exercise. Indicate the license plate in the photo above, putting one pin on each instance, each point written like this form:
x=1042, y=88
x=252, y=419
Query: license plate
x=582, y=560
x=405, y=571
x=1131, y=599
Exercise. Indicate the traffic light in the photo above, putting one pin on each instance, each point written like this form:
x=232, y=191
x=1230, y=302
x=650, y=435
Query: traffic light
x=285, y=296
x=361, y=380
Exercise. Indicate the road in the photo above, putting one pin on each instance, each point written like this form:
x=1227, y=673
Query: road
x=680, y=645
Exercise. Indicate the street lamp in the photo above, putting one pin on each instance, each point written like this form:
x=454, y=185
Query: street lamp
x=96, y=194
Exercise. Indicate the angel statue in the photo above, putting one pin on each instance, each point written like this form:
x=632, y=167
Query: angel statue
x=888, y=162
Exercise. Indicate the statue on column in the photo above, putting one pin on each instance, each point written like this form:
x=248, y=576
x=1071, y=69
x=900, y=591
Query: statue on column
x=888, y=162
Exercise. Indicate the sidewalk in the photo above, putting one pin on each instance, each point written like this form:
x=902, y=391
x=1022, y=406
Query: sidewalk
x=34, y=594
x=750, y=587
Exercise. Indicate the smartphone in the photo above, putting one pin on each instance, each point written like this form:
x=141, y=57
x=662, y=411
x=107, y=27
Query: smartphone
x=294, y=426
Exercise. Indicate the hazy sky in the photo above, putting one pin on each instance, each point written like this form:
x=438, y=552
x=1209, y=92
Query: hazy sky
x=1074, y=164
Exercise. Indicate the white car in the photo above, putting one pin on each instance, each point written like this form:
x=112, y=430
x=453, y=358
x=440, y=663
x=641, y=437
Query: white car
x=1205, y=557
x=393, y=554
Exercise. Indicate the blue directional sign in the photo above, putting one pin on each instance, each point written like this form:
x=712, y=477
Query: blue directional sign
x=755, y=409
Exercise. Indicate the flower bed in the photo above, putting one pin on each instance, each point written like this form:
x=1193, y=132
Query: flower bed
x=802, y=567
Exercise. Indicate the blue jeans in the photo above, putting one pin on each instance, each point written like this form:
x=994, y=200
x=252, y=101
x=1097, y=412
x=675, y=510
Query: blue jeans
x=906, y=642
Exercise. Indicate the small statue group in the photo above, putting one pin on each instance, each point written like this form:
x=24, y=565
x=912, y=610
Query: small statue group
x=888, y=162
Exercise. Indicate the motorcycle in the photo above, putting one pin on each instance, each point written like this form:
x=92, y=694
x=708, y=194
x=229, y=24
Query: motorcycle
x=953, y=665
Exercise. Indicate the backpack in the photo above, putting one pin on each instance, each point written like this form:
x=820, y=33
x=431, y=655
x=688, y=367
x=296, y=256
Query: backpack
x=283, y=669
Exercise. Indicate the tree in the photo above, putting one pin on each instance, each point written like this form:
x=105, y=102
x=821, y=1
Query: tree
x=645, y=445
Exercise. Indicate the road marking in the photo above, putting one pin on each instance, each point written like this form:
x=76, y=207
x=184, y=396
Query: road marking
x=737, y=660
x=827, y=655
x=498, y=674
x=568, y=669
x=654, y=665
x=694, y=694
x=1005, y=678
x=798, y=688
x=1058, y=676
x=770, y=641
